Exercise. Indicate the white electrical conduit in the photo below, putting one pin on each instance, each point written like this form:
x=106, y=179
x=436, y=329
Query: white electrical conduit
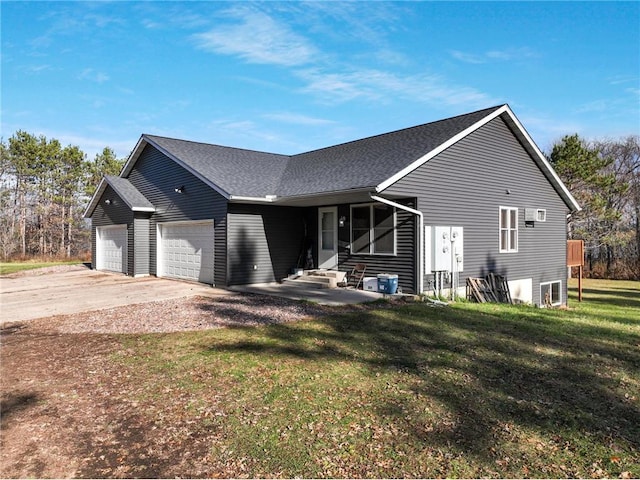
x=420, y=234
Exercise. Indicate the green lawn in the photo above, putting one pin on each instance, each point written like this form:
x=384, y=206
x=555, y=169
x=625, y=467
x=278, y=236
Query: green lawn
x=12, y=267
x=412, y=390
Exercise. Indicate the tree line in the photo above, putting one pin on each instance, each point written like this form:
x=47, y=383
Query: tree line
x=44, y=189
x=604, y=177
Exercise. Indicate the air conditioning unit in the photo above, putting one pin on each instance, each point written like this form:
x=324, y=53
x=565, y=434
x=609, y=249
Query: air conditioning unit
x=535, y=215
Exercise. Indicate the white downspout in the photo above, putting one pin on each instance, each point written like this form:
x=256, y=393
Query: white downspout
x=420, y=234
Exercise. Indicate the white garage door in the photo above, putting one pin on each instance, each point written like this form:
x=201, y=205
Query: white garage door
x=186, y=251
x=111, y=248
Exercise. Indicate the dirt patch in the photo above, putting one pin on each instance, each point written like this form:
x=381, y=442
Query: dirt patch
x=69, y=411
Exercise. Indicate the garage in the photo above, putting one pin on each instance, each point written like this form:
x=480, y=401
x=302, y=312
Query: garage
x=111, y=248
x=185, y=251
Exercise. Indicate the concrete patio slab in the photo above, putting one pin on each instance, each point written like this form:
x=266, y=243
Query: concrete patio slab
x=325, y=296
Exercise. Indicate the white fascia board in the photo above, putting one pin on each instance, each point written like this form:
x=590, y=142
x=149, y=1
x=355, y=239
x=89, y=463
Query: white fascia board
x=138, y=150
x=240, y=199
x=524, y=136
x=133, y=156
x=133, y=208
x=543, y=160
x=425, y=158
x=96, y=197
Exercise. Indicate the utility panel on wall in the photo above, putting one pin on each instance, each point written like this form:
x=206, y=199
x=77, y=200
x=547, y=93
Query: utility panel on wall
x=443, y=249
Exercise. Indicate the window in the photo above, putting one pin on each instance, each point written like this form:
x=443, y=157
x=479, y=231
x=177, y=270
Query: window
x=508, y=229
x=541, y=215
x=550, y=294
x=373, y=229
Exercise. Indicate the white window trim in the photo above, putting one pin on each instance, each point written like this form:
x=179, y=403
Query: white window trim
x=556, y=302
x=509, y=229
x=372, y=231
x=540, y=211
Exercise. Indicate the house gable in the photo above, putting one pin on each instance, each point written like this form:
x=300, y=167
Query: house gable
x=365, y=163
x=158, y=178
x=517, y=130
x=466, y=184
x=229, y=171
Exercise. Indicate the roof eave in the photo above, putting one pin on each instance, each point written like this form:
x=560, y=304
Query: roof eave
x=520, y=132
x=93, y=203
x=144, y=141
x=248, y=199
x=100, y=190
x=439, y=149
x=542, y=161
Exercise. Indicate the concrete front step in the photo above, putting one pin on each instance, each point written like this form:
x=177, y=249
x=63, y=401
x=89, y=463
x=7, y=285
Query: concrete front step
x=317, y=279
x=305, y=283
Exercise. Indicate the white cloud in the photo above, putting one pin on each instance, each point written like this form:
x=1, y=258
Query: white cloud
x=94, y=76
x=467, y=57
x=36, y=69
x=258, y=38
x=494, y=55
x=546, y=130
x=296, y=118
x=378, y=86
x=600, y=105
x=623, y=79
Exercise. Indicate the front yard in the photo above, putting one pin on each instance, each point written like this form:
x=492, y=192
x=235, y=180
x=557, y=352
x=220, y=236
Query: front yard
x=377, y=391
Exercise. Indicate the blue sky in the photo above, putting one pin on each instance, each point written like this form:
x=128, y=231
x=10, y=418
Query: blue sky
x=292, y=76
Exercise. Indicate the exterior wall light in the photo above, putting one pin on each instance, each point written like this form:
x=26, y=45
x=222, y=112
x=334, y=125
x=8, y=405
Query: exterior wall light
x=342, y=220
x=179, y=189
x=107, y=201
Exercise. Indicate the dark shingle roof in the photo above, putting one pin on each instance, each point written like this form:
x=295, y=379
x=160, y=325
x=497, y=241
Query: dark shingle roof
x=370, y=161
x=234, y=170
x=358, y=164
x=130, y=194
x=135, y=200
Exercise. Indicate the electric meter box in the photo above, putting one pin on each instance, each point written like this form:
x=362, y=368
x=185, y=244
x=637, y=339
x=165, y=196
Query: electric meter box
x=443, y=249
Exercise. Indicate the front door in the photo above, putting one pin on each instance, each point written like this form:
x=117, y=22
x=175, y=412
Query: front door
x=328, y=237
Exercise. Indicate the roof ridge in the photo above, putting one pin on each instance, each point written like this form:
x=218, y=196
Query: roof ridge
x=422, y=125
x=152, y=136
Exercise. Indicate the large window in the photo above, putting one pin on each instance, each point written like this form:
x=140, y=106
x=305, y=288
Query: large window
x=508, y=229
x=550, y=294
x=373, y=229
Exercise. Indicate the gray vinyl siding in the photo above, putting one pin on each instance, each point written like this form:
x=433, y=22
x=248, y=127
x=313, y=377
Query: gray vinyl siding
x=116, y=213
x=402, y=264
x=156, y=176
x=141, y=245
x=466, y=184
x=264, y=242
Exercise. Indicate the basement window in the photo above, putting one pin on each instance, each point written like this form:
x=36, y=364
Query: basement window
x=508, y=229
x=373, y=229
x=550, y=294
